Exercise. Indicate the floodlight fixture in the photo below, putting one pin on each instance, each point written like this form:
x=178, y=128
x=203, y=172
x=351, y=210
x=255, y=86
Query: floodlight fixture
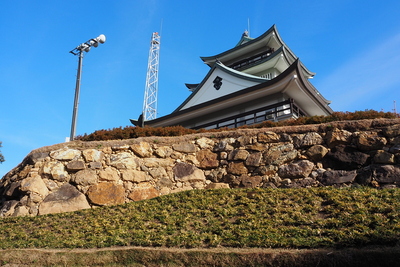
x=78, y=51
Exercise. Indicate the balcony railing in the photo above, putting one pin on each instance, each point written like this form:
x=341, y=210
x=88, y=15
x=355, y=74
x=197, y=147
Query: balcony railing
x=280, y=111
x=250, y=60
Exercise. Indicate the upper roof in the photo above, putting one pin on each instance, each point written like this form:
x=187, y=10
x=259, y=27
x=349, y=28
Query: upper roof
x=247, y=45
x=245, y=38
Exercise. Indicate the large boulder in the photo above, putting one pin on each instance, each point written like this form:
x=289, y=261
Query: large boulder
x=299, y=169
x=386, y=174
x=338, y=137
x=67, y=198
x=85, y=177
x=307, y=140
x=338, y=177
x=65, y=154
x=34, y=184
x=143, y=191
x=142, y=149
x=106, y=194
x=207, y=159
x=185, y=147
x=367, y=141
x=92, y=155
x=345, y=158
x=184, y=172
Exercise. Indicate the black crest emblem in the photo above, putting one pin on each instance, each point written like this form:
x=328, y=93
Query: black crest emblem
x=217, y=82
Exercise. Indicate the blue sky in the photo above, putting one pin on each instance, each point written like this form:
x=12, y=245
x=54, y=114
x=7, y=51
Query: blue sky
x=352, y=45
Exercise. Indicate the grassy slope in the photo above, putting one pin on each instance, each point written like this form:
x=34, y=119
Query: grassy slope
x=276, y=218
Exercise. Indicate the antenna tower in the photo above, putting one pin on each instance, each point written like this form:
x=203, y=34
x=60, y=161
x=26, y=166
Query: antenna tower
x=150, y=93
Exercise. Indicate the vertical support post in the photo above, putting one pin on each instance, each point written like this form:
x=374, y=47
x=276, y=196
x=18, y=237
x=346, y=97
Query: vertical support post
x=76, y=99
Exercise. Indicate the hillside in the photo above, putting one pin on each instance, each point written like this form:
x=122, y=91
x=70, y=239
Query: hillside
x=325, y=191
x=346, y=227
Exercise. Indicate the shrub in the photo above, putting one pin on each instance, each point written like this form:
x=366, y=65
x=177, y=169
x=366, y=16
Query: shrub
x=134, y=132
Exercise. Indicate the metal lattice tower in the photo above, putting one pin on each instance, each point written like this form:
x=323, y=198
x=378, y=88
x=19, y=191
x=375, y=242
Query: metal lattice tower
x=150, y=93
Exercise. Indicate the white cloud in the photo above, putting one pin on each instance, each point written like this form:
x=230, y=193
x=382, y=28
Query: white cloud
x=373, y=73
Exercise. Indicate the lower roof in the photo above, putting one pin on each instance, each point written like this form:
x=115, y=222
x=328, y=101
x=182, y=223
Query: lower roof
x=291, y=82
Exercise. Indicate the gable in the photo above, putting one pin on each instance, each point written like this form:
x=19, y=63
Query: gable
x=219, y=81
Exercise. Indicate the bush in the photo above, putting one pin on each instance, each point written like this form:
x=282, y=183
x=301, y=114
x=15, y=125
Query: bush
x=134, y=132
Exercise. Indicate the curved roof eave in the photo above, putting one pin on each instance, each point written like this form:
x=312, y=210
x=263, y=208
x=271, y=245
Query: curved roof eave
x=237, y=47
x=288, y=60
x=273, y=30
x=191, y=86
x=315, y=93
x=267, y=83
x=286, y=51
x=295, y=67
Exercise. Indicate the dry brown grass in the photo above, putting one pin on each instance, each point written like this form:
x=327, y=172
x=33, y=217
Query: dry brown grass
x=223, y=257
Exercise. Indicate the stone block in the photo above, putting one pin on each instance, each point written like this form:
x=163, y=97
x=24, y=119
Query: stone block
x=143, y=191
x=142, y=149
x=184, y=147
x=392, y=131
x=56, y=170
x=92, y=155
x=106, y=194
x=85, y=177
x=307, y=140
x=217, y=186
x=67, y=198
x=109, y=174
x=268, y=137
x=317, y=152
x=250, y=181
x=34, y=184
x=123, y=160
x=37, y=157
x=367, y=141
x=185, y=172
x=338, y=137
x=386, y=174
x=345, y=158
x=299, y=169
x=207, y=159
x=205, y=143
x=133, y=176
x=237, y=168
x=65, y=154
x=163, y=151
x=95, y=165
x=254, y=159
x=76, y=165
x=238, y=154
x=338, y=177
x=383, y=157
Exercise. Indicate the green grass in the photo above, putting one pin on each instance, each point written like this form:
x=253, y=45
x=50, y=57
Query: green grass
x=276, y=218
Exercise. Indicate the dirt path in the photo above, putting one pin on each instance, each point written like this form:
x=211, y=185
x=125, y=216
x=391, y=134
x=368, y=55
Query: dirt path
x=144, y=256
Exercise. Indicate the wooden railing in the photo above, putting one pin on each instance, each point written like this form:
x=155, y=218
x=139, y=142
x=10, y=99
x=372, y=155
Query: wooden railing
x=276, y=112
x=250, y=60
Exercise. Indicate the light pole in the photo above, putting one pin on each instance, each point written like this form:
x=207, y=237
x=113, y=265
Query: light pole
x=78, y=51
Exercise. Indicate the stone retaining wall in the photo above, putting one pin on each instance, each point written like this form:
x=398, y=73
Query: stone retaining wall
x=79, y=175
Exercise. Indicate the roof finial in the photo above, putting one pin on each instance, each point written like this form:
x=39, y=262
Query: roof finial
x=248, y=27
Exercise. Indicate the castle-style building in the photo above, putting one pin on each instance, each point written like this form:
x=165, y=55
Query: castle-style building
x=257, y=80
